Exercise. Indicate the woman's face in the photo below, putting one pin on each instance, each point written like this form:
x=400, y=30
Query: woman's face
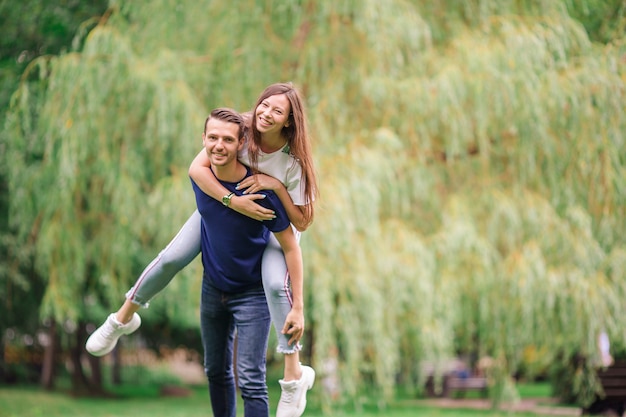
x=273, y=114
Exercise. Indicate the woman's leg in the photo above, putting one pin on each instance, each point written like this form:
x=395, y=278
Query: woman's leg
x=181, y=250
x=174, y=257
x=297, y=379
x=277, y=292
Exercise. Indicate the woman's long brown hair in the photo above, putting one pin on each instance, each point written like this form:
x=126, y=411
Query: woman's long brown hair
x=297, y=136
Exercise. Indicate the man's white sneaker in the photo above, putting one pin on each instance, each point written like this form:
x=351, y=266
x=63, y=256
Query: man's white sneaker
x=293, y=397
x=104, y=339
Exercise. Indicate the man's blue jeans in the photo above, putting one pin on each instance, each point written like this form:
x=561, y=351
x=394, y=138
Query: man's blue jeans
x=221, y=316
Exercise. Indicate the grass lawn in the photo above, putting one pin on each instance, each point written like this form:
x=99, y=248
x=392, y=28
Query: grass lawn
x=144, y=401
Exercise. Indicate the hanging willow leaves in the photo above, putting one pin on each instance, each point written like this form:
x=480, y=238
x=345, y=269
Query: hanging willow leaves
x=471, y=158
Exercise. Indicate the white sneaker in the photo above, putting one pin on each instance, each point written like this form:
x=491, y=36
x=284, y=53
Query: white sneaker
x=104, y=339
x=293, y=397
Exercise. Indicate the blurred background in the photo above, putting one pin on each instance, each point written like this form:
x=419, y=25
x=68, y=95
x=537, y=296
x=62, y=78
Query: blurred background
x=472, y=167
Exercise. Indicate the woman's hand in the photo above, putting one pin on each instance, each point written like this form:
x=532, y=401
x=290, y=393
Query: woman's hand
x=257, y=182
x=246, y=205
x=294, y=325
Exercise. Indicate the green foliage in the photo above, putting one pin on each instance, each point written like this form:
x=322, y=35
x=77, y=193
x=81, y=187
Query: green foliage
x=471, y=159
x=33, y=28
x=95, y=151
x=28, y=29
x=576, y=383
x=604, y=20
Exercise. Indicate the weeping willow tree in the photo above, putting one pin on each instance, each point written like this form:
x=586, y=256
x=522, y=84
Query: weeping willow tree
x=471, y=159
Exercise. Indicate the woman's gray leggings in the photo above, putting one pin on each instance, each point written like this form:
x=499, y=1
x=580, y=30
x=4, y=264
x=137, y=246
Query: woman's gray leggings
x=186, y=246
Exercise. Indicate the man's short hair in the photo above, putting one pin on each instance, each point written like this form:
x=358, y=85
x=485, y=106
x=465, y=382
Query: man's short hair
x=228, y=115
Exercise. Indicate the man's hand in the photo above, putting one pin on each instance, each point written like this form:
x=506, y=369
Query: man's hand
x=245, y=204
x=294, y=326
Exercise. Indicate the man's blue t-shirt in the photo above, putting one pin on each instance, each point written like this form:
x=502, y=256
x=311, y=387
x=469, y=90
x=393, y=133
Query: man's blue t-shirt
x=233, y=244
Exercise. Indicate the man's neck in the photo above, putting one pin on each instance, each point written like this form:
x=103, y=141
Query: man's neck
x=233, y=172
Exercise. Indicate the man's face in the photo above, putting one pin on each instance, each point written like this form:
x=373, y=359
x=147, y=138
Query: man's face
x=221, y=142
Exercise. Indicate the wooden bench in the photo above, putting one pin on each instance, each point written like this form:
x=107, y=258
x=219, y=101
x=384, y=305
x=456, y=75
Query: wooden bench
x=454, y=386
x=613, y=381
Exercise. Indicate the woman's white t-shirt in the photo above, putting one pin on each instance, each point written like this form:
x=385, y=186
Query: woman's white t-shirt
x=284, y=167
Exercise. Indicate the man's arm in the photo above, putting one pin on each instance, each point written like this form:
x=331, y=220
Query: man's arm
x=294, y=323
x=199, y=171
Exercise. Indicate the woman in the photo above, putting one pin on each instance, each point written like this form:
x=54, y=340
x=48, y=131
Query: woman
x=278, y=148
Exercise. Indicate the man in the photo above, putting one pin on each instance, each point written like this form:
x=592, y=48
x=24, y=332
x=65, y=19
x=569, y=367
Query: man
x=233, y=299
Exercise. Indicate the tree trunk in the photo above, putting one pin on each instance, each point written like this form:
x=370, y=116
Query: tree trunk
x=79, y=380
x=116, y=370
x=81, y=384
x=48, y=373
x=3, y=371
x=96, y=373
